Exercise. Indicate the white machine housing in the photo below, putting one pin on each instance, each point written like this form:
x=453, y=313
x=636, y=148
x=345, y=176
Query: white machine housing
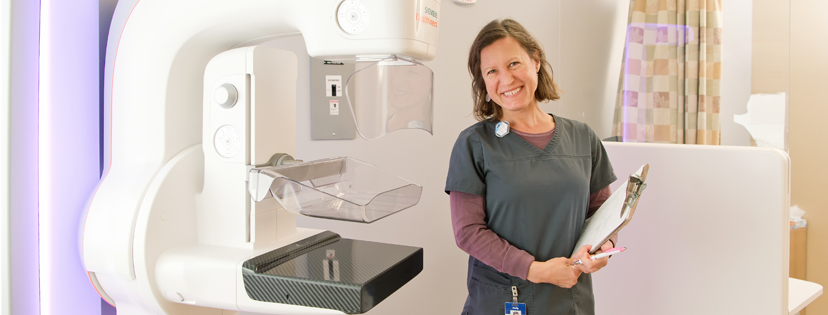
x=168, y=227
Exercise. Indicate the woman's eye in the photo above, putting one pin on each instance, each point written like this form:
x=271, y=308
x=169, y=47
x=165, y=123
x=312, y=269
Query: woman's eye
x=514, y=63
x=490, y=72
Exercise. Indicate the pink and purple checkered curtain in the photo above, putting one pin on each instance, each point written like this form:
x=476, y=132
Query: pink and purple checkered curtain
x=669, y=90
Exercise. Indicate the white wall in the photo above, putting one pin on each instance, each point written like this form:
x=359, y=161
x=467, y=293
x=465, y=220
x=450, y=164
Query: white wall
x=5, y=62
x=591, y=47
x=736, y=68
x=808, y=146
x=25, y=19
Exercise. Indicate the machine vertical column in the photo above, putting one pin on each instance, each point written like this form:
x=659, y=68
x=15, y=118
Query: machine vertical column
x=249, y=115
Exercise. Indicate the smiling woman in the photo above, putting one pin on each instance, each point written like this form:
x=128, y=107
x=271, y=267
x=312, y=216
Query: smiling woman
x=513, y=33
x=510, y=76
x=519, y=199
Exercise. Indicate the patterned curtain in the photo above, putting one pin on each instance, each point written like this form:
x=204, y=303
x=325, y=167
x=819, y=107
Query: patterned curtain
x=670, y=87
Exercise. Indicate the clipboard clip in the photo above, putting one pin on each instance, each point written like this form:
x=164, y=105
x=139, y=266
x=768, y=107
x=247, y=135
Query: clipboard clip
x=635, y=186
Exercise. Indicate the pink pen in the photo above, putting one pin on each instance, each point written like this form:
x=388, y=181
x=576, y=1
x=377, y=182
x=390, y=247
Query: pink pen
x=611, y=251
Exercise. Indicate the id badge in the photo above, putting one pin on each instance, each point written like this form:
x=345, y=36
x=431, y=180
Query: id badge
x=515, y=308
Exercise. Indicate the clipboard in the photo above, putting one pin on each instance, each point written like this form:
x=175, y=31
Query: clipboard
x=615, y=213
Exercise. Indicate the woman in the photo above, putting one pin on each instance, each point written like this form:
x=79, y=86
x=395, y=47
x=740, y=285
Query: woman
x=522, y=182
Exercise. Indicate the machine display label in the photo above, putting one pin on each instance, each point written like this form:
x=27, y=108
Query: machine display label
x=333, y=85
x=428, y=16
x=334, y=108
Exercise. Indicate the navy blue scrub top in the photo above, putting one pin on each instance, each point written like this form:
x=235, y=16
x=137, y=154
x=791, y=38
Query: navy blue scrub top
x=536, y=199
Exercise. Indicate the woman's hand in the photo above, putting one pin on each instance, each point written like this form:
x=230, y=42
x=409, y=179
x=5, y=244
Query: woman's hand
x=558, y=271
x=588, y=265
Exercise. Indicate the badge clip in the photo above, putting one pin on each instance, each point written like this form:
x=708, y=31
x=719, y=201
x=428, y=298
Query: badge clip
x=515, y=308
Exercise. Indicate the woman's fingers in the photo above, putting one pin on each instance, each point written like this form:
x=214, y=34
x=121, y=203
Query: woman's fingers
x=590, y=265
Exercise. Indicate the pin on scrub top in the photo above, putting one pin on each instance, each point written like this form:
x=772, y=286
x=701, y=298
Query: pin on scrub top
x=502, y=129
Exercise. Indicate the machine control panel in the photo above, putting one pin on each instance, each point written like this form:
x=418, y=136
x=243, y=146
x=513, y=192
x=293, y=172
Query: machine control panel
x=353, y=16
x=227, y=141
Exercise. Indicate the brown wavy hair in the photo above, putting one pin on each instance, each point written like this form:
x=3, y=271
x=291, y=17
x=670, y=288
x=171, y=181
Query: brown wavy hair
x=498, y=29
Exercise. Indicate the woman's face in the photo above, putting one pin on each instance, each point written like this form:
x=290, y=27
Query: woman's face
x=511, y=76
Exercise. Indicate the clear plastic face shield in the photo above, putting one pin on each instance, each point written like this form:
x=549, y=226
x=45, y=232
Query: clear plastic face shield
x=391, y=94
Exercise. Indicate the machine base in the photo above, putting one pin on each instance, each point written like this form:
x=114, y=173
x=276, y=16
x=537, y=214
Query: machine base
x=327, y=271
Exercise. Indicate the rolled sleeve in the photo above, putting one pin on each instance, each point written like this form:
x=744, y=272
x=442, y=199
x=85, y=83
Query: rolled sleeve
x=466, y=172
x=602, y=172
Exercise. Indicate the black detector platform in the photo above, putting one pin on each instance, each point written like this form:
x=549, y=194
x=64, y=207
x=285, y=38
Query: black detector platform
x=327, y=271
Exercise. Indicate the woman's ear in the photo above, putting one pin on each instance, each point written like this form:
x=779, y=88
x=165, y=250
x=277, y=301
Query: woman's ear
x=536, y=59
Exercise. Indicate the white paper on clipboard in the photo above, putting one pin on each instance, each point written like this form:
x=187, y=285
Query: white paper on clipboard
x=615, y=213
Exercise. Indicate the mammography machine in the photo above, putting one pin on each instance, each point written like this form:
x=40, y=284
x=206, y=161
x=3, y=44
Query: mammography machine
x=196, y=211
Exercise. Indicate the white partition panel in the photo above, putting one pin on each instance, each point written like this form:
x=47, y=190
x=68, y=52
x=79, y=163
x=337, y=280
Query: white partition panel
x=710, y=235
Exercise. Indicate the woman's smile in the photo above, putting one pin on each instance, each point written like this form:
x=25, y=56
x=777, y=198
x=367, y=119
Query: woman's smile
x=512, y=92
